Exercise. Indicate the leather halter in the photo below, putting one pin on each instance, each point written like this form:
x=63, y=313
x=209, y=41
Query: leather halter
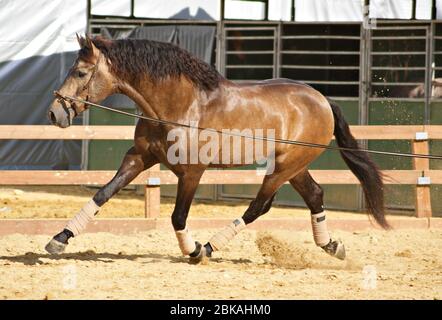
x=62, y=100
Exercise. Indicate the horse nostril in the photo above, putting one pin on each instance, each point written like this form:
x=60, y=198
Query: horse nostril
x=52, y=117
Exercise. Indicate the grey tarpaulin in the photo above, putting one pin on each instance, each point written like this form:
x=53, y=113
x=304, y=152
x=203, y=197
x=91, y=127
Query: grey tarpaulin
x=37, y=47
x=26, y=88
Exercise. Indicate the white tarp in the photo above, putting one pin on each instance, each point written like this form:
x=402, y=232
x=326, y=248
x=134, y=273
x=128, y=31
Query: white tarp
x=39, y=27
x=352, y=10
x=439, y=9
x=111, y=7
x=250, y=10
x=391, y=9
x=394, y=9
x=280, y=10
x=183, y=9
x=328, y=10
x=193, y=9
x=423, y=9
x=306, y=10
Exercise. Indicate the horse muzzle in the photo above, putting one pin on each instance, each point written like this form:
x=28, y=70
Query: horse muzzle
x=60, y=114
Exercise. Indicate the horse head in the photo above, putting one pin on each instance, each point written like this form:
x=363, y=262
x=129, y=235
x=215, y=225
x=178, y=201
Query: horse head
x=88, y=79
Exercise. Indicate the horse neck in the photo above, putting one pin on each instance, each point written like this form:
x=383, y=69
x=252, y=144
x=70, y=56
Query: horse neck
x=165, y=100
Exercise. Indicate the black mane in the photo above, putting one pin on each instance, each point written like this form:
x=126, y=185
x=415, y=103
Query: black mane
x=133, y=59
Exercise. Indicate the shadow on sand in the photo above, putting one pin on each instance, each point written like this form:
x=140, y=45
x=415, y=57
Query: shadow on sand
x=31, y=258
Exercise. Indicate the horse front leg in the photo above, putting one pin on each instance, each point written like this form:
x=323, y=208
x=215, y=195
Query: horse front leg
x=187, y=185
x=133, y=164
x=259, y=206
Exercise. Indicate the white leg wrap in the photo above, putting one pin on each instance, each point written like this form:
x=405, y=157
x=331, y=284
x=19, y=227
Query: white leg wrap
x=82, y=218
x=319, y=226
x=219, y=240
x=185, y=241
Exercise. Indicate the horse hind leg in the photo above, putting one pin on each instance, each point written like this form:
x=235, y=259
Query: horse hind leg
x=312, y=194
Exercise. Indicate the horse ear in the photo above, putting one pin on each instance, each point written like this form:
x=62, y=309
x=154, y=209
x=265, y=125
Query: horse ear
x=89, y=43
x=80, y=40
x=92, y=49
x=89, y=52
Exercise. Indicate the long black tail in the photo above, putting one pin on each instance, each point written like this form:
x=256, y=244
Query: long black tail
x=362, y=167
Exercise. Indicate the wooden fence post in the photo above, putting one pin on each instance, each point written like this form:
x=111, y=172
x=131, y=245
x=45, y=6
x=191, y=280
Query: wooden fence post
x=423, y=198
x=152, y=193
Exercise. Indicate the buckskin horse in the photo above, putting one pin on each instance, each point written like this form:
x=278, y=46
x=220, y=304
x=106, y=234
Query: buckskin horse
x=168, y=83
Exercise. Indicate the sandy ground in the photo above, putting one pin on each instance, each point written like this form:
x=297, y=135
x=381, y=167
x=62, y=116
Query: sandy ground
x=405, y=264
x=399, y=264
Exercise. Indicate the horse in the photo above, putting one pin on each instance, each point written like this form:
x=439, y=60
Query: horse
x=416, y=91
x=168, y=83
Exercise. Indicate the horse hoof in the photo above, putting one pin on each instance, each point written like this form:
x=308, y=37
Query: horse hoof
x=55, y=247
x=199, y=255
x=340, y=251
x=335, y=249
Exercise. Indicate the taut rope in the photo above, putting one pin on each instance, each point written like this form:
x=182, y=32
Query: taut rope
x=292, y=142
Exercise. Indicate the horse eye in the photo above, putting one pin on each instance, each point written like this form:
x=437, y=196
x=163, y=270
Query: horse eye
x=81, y=74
